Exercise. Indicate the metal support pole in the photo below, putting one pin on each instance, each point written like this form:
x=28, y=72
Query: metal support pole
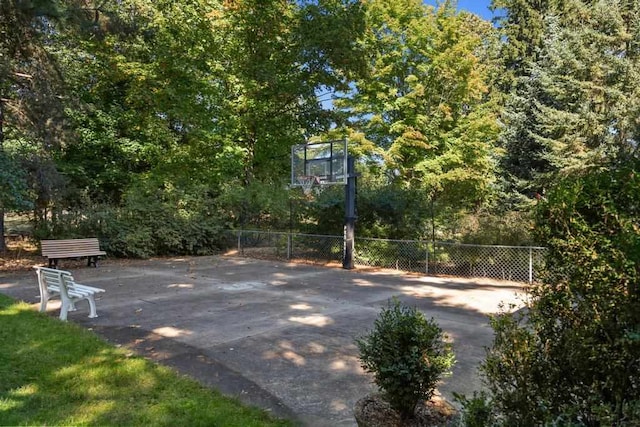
x=350, y=215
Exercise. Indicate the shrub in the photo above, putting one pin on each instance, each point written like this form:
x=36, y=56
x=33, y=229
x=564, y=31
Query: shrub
x=144, y=226
x=476, y=411
x=497, y=228
x=407, y=354
x=575, y=358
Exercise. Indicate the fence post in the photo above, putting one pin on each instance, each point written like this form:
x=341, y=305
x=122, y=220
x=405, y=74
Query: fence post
x=426, y=261
x=530, y=265
x=239, y=244
x=289, y=246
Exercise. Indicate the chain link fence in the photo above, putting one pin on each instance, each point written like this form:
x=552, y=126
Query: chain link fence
x=516, y=263
x=405, y=255
x=286, y=246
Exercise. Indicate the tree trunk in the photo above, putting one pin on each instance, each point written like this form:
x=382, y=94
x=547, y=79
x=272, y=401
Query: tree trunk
x=3, y=245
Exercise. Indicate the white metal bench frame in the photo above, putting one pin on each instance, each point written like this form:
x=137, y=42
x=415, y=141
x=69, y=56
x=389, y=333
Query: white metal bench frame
x=72, y=248
x=59, y=283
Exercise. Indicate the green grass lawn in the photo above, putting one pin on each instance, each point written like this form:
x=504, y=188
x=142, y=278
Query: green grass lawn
x=55, y=373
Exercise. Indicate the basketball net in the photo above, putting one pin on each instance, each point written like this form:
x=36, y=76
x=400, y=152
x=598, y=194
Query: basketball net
x=307, y=182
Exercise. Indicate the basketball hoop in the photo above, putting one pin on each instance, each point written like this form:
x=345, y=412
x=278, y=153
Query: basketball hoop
x=307, y=182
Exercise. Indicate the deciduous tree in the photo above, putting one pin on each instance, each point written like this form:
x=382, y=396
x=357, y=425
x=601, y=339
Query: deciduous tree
x=425, y=106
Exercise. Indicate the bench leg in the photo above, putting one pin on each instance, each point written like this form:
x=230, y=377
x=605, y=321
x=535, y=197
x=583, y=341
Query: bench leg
x=44, y=299
x=64, y=310
x=92, y=260
x=92, y=307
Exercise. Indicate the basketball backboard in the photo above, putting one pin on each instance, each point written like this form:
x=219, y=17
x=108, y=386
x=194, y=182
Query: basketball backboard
x=325, y=163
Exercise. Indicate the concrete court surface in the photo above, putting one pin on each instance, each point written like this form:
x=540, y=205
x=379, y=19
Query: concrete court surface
x=274, y=334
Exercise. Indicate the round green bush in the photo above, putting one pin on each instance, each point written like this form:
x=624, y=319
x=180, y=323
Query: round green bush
x=407, y=354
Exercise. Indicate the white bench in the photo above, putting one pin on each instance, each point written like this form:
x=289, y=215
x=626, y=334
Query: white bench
x=59, y=283
x=72, y=248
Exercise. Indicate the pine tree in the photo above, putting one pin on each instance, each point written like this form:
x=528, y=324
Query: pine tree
x=30, y=86
x=522, y=26
x=574, y=100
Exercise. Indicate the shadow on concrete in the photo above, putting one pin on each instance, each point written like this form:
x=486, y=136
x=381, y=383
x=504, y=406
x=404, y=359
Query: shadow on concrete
x=275, y=334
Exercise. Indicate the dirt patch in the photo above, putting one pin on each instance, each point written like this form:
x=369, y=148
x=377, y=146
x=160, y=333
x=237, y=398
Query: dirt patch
x=375, y=411
x=21, y=254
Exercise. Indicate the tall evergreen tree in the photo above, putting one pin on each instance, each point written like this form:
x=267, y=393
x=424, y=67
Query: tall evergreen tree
x=30, y=90
x=573, y=359
x=572, y=102
x=587, y=85
x=521, y=24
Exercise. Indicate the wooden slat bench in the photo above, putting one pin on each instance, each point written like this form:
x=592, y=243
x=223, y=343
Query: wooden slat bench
x=72, y=248
x=60, y=283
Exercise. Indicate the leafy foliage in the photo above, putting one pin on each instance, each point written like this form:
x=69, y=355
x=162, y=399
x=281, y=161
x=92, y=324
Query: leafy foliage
x=391, y=211
x=159, y=222
x=407, y=354
x=201, y=96
x=575, y=356
x=205, y=98
x=13, y=183
x=476, y=411
x=423, y=107
x=256, y=206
